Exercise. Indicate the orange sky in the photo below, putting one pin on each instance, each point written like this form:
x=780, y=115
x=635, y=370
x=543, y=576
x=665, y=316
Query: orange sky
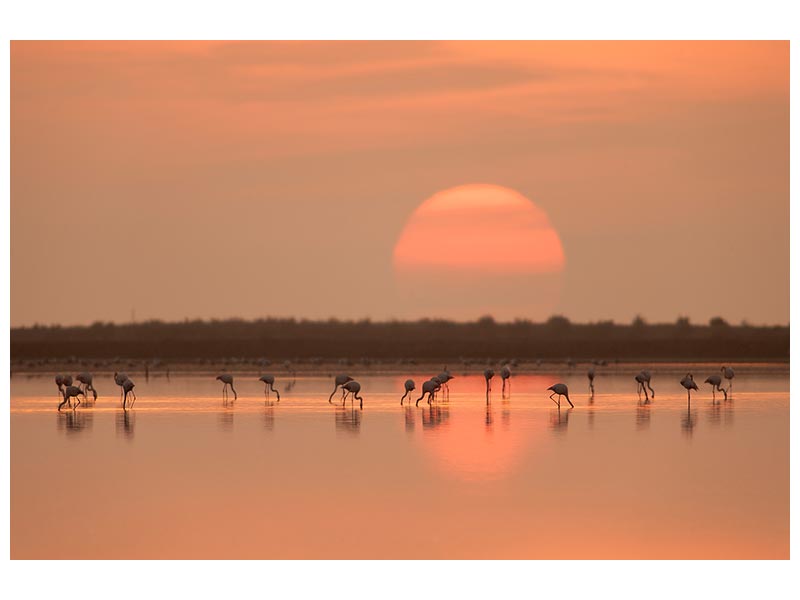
x=250, y=179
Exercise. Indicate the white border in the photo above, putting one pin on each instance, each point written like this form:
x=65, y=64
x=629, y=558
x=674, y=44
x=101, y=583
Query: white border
x=343, y=19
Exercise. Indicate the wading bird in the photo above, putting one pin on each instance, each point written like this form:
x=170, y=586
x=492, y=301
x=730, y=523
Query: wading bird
x=410, y=387
x=443, y=378
x=488, y=374
x=119, y=379
x=590, y=375
x=716, y=382
x=60, y=383
x=269, y=384
x=643, y=383
x=689, y=384
x=353, y=387
x=86, y=379
x=505, y=373
x=429, y=388
x=71, y=391
x=227, y=379
x=339, y=381
x=127, y=387
x=729, y=375
x=560, y=389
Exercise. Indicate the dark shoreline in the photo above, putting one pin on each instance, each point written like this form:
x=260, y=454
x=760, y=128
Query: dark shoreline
x=485, y=340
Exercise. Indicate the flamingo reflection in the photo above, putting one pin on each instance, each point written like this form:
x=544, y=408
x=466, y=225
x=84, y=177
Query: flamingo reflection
x=125, y=423
x=435, y=416
x=559, y=420
x=348, y=420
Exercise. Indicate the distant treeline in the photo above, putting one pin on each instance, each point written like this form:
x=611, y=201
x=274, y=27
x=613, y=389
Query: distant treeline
x=292, y=339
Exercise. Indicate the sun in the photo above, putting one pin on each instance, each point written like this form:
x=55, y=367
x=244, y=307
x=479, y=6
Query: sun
x=478, y=249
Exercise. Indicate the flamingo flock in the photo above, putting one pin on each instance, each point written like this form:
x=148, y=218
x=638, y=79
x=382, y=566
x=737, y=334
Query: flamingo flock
x=438, y=384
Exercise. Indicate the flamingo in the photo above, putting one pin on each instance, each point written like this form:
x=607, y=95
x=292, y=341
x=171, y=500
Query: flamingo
x=269, y=384
x=560, y=389
x=729, y=375
x=71, y=391
x=435, y=379
x=410, y=387
x=643, y=380
x=227, y=379
x=119, y=379
x=590, y=375
x=505, y=373
x=444, y=377
x=353, y=387
x=127, y=387
x=488, y=374
x=689, y=384
x=60, y=383
x=339, y=381
x=86, y=379
x=716, y=382
x=429, y=388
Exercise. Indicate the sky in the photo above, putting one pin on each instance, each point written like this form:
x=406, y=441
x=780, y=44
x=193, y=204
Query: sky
x=172, y=180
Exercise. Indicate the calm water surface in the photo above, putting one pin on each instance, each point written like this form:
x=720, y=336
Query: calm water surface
x=182, y=475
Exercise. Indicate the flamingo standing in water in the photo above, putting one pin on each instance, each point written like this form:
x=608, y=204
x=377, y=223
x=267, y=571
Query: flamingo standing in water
x=590, y=375
x=716, y=382
x=127, y=387
x=443, y=378
x=505, y=374
x=560, y=389
x=353, y=387
x=339, y=381
x=689, y=384
x=410, y=387
x=488, y=374
x=60, y=383
x=643, y=383
x=227, y=379
x=429, y=388
x=86, y=379
x=71, y=391
x=119, y=379
x=729, y=375
x=269, y=384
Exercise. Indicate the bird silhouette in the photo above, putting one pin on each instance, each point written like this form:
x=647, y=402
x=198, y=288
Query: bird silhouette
x=716, y=382
x=227, y=380
x=488, y=374
x=353, y=387
x=127, y=387
x=729, y=375
x=560, y=389
x=689, y=384
x=339, y=381
x=269, y=384
x=505, y=374
x=86, y=379
x=71, y=391
x=429, y=388
x=410, y=387
x=119, y=379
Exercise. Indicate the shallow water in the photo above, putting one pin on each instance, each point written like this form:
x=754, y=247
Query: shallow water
x=183, y=475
